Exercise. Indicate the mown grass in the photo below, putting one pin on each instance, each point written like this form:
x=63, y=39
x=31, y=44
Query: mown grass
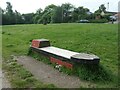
x=99, y=39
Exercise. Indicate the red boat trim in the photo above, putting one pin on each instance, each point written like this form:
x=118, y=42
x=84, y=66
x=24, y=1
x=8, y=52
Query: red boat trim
x=60, y=62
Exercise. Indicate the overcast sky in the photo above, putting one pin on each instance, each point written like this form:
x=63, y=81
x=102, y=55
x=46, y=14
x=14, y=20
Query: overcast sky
x=28, y=6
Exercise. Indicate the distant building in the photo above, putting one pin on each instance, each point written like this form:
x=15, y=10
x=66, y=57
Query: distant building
x=102, y=13
x=98, y=17
x=89, y=13
x=112, y=13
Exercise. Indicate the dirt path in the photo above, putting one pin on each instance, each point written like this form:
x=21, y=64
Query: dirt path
x=4, y=82
x=48, y=74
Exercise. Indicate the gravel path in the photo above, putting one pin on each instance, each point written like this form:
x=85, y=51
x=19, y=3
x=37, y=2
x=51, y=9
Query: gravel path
x=48, y=74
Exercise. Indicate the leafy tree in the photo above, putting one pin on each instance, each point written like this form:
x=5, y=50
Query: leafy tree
x=18, y=18
x=37, y=16
x=57, y=15
x=9, y=10
x=28, y=18
x=10, y=16
x=3, y=15
x=51, y=14
x=48, y=13
x=39, y=11
x=1, y=11
x=67, y=9
x=101, y=9
x=81, y=13
x=74, y=16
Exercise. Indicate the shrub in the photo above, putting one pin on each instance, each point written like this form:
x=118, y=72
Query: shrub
x=99, y=21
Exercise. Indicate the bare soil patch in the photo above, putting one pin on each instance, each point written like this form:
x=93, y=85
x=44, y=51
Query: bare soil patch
x=48, y=74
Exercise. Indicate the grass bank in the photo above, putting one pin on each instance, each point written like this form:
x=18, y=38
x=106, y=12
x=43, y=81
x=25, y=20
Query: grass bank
x=99, y=39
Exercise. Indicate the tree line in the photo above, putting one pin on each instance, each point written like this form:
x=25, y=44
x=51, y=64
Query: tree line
x=66, y=13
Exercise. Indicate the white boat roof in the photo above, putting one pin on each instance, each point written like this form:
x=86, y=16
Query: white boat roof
x=59, y=51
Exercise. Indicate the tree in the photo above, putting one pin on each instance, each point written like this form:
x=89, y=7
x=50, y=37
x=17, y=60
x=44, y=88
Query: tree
x=10, y=14
x=80, y=13
x=4, y=18
x=37, y=16
x=1, y=12
x=74, y=16
x=39, y=11
x=48, y=13
x=51, y=14
x=28, y=18
x=10, y=17
x=101, y=9
x=67, y=9
x=18, y=18
x=9, y=10
x=57, y=15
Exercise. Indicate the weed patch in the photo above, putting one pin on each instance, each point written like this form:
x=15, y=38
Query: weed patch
x=93, y=73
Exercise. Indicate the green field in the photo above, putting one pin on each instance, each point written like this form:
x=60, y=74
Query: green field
x=99, y=39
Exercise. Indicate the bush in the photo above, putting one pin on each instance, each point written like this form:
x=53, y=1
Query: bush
x=99, y=21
